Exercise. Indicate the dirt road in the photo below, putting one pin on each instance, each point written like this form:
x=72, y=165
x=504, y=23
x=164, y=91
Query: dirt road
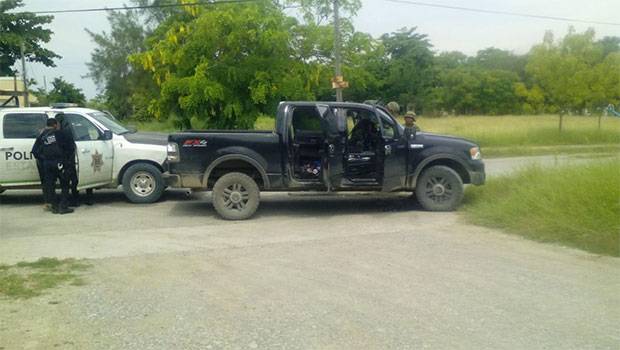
x=327, y=272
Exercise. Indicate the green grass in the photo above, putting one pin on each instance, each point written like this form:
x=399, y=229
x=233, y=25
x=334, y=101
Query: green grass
x=509, y=151
x=153, y=126
x=25, y=280
x=542, y=130
x=577, y=206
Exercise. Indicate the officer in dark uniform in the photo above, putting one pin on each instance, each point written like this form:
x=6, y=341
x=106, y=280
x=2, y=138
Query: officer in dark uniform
x=51, y=148
x=70, y=168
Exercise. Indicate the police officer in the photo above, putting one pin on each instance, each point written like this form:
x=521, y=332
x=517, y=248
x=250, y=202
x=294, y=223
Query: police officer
x=51, y=148
x=69, y=161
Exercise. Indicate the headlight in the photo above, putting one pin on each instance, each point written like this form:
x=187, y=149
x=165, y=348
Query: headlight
x=173, y=152
x=474, y=153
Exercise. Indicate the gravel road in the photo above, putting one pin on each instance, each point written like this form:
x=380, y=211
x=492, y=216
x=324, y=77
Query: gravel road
x=309, y=272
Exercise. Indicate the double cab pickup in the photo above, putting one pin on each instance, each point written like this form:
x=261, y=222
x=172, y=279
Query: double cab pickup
x=323, y=146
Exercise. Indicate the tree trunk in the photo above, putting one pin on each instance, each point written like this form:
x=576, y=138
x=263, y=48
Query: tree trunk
x=561, y=119
x=599, y=121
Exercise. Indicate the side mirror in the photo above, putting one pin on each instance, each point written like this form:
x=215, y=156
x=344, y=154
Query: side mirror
x=107, y=135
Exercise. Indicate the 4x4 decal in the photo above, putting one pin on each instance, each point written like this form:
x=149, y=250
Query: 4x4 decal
x=195, y=143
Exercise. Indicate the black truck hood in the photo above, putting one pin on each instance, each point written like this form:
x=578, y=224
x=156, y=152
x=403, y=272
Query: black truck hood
x=445, y=139
x=148, y=138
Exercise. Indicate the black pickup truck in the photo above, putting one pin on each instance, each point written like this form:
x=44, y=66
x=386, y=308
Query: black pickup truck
x=323, y=146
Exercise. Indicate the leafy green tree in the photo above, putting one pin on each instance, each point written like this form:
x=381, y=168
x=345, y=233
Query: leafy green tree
x=63, y=91
x=17, y=28
x=122, y=85
x=609, y=44
x=497, y=59
x=564, y=70
x=409, y=67
x=225, y=66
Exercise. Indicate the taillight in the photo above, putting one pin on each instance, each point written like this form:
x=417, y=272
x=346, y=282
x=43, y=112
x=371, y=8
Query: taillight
x=173, y=152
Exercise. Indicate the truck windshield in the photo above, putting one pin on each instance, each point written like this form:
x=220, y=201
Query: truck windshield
x=109, y=122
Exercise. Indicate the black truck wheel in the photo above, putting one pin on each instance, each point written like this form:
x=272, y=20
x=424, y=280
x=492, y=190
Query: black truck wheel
x=236, y=196
x=439, y=188
x=143, y=183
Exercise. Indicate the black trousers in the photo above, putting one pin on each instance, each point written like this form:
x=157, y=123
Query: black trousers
x=72, y=178
x=54, y=170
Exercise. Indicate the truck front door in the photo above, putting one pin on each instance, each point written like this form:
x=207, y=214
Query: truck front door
x=95, y=155
x=394, y=153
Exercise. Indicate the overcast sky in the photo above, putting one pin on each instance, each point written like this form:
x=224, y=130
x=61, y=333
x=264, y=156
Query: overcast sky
x=447, y=29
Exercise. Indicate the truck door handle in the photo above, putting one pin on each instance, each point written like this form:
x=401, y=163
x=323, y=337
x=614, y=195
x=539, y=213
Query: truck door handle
x=388, y=150
x=6, y=149
x=84, y=150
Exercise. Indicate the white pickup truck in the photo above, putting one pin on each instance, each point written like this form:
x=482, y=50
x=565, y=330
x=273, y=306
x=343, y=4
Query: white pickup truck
x=107, y=154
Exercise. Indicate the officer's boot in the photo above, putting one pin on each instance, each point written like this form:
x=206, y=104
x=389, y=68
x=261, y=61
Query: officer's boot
x=63, y=208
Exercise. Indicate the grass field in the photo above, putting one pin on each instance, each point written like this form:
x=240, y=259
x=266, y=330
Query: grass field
x=574, y=206
x=25, y=280
x=504, y=135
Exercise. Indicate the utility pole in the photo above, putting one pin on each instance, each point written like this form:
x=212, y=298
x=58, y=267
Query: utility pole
x=338, y=69
x=24, y=77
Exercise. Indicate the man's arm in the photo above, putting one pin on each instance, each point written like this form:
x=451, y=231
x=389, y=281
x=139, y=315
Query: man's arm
x=36, y=148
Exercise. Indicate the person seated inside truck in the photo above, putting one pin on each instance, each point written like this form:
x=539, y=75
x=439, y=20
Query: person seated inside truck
x=364, y=136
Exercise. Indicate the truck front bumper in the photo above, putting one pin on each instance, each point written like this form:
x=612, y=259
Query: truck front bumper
x=477, y=177
x=171, y=180
x=476, y=172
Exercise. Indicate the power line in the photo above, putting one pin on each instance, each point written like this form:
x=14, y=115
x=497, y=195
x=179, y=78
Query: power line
x=506, y=13
x=138, y=7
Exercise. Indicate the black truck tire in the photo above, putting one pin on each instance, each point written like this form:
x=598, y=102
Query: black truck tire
x=236, y=196
x=143, y=183
x=439, y=188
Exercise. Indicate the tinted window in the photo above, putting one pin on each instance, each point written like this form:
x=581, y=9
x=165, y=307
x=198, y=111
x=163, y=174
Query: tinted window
x=389, y=126
x=83, y=130
x=306, y=119
x=23, y=125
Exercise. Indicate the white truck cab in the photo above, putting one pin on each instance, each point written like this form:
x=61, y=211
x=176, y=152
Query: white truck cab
x=107, y=154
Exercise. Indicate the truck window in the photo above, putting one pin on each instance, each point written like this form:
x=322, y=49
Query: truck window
x=389, y=126
x=83, y=130
x=23, y=125
x=306, y=119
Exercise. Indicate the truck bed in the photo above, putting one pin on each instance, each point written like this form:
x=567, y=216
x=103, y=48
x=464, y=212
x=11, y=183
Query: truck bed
x=198, y=149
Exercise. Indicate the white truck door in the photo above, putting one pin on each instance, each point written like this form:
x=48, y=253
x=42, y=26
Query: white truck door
x=95, y=155
x=19, y=130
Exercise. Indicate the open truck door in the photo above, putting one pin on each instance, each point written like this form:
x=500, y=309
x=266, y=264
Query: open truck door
x=334, y=128
x=393, y=153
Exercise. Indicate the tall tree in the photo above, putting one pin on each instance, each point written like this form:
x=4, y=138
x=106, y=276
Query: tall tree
x=64, y=91
x=23, y=28
x=123, y=87
x=224, y=66
x=409, y=62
